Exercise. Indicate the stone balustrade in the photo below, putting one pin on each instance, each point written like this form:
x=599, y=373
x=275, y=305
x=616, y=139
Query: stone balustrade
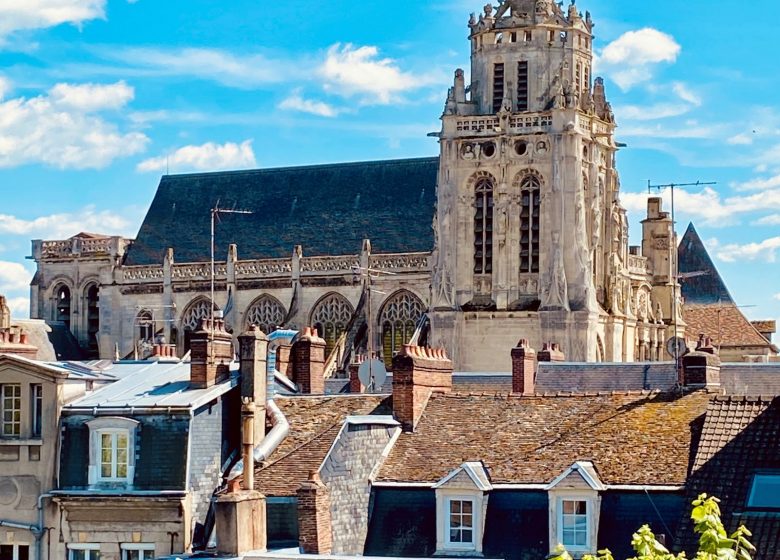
x=319, y=265
x=638, y=265
x=538, y=122
x=407, y=262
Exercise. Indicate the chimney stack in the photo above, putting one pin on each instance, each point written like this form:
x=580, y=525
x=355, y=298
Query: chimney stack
x=212, y=354
x=314, y=520
x=523, y=368
x=308, y=363
x=551, y=352
x=252, y=350
x=417, y=374
x=701, y=368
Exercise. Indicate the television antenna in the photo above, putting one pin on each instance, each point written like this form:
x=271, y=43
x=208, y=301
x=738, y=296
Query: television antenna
x=216, y=212
x=375, y=372
x=672, y=345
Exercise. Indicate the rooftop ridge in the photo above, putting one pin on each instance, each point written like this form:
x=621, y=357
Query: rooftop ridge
x=556, y=394
x=754, y=399
x=303, y=167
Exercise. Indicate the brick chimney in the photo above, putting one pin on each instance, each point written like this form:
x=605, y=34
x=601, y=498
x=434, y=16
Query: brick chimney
x=701, y=368
x=308, y=363
x=551, y=352
x=315, y=532
x=252, y=350
x=212, y=353
x=16, y=342
x=355, y=385
x=418, y=373
x=523, y=368
x=283, y=359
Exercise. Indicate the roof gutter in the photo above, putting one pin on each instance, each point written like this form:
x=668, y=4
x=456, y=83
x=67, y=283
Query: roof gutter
x=273, y=439
x=607, y=487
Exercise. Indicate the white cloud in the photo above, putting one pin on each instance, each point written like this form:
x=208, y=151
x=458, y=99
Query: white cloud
x=777, y=297
x=20, y=307
x=773, y=220
x=765, y=251
x=686, y=94
x=17, y=15
x=92, y=97
x=742, y=139
x=64, y=129
x=206, y=157
x=359, y=71
x=65, y=225
x=629, y=59
x=296, y=102
x=759, y=184
x=13, y=277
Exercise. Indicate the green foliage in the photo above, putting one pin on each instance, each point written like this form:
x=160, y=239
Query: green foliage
x=714, y=542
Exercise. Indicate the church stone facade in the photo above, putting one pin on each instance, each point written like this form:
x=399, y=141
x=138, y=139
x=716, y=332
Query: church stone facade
x=528, y=238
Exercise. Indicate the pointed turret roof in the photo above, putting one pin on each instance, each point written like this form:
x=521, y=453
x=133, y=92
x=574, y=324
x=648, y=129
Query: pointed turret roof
x=705, y=285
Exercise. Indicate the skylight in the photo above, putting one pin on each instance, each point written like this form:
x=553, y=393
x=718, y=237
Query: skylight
x=765, y=492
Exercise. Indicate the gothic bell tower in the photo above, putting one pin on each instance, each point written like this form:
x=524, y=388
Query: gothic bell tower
x=526, y=178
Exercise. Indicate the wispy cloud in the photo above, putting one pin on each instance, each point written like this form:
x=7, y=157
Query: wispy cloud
x=206, y=157
x=64, y=225
x=13, y=277
x=772, y=220
x=759, y=184
x=296, y=102
x=19, y=15
x=64, y=128
x=764, y=251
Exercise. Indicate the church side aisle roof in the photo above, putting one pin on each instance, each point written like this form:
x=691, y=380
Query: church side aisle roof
x=707, y=288
x=328, y=209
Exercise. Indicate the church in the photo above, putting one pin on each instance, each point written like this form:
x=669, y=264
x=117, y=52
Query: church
x=515, y=230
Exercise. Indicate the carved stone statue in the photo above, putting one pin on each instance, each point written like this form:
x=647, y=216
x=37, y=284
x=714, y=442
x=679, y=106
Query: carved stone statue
x=556, y=293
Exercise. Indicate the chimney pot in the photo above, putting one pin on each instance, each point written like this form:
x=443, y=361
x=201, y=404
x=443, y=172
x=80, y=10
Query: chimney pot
x=417, y=374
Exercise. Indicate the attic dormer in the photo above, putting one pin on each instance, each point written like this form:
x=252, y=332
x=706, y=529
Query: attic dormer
x=461, y=507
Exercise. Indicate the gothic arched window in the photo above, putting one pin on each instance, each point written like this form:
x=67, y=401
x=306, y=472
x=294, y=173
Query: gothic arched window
x=330, y=317
x=145, y=323
x=483, y=224
x=62, y=303
x=399, y=318
x=91, y=301
x=266, y=313
x=196, y=311
x=530, y=185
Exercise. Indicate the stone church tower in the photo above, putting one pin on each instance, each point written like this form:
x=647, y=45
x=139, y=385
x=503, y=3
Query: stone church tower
x=531, y=240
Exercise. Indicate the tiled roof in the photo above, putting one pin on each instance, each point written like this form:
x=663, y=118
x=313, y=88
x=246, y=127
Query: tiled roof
x=705, y=286
x=582, y=377
x=630, y=438
x=766, y=326
x=740, y=436
x=314, y=424
x=328, y=209
x=724, y=323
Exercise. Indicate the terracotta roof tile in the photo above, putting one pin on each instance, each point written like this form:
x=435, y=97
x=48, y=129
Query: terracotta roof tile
x=631, y=438
x=725, y=324
x=314, y=424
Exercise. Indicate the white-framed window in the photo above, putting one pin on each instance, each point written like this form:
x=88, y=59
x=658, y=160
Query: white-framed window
x=36, y=410
x=765, y=492
x=112, y=451
x=11, y=409
x=14, y=552
x=137, y=551
x=459, y=532
x=574, y=527
x=84, y=551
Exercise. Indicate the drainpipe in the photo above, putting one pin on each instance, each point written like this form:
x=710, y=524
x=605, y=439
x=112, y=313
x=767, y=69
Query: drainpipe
x=272, y=440
x=39, y=530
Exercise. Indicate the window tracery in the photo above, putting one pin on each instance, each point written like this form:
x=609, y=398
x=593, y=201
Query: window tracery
x=483, y=184
x=195, y=313
x=266, y=313
x=331, y=317
x=399, y=319
x=529, y=183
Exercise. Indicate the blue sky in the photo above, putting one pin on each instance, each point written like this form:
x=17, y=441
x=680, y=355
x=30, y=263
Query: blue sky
x=97, y=97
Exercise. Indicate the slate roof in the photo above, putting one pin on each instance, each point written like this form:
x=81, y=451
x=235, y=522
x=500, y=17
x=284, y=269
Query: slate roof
x=724, y=323
x=631, y=438
x=740, y=436
x=580, y=377
x=314, y=424
x=328, y=209
x=750, y=379
x=693, y=258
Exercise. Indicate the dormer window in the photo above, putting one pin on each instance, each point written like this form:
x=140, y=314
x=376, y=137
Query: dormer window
x=111, y=451
x=575, y=503
x=461, y=505
x=765, y=492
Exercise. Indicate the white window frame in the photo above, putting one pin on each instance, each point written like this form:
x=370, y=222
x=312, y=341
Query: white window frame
x=16, y=545
x=114, y=434
x=593, y=507
x=754, y=488
x=459, y=545
x=561, y=525
x=90, y=547
x=479, y=500
x=114, y=426
x=141, y=547
x=3, y=410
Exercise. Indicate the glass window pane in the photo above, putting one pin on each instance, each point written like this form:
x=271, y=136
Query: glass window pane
x=581, y=539
x=454, y=535
x=765, y=492
x=454, y=506
x=78, y=554
x=568, y=507
x=121, y=470
x=455, y=521
x=466, y=536
x=582, y=508
x=467, y=506
x=148, y=554
x=94, y=555
x=466, y=521
x=568, y=538
x=24, y=552
x=6, y=552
